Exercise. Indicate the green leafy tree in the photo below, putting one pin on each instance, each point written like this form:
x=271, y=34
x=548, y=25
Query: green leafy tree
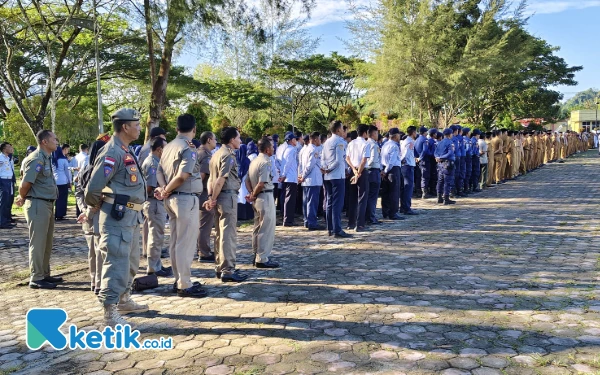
x=196, y=109
x=219, y=122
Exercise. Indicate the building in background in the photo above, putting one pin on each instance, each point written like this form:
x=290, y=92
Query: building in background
x=584, y=119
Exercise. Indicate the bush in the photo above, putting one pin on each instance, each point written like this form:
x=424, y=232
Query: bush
x=196, y=109
x=219, y=122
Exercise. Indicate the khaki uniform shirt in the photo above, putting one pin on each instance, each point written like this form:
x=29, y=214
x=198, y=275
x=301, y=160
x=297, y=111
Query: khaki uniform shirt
x=204, y=157
x=180, y=155
x=260, y=171
x=224, y=164
x=149, y=168
x=37, y=170
x=497, y=145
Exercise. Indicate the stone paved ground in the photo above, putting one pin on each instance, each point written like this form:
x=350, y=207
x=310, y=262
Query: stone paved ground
x=502, y=284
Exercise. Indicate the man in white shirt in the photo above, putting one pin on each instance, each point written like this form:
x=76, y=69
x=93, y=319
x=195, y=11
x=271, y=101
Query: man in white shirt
x=483, y=159
x=290, y=173
x=357, y=155
x=407, y=158
x=6, y=185
x=82, y=159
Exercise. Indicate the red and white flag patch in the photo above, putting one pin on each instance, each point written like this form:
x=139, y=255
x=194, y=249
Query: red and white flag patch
x=109, y=161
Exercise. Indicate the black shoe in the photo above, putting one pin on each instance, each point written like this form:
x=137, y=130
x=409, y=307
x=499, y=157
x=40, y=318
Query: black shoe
x=411, y=212
x=218, y=275
x=427, y=196
x=195, y=291
x=477, y=190
x=8, y=226
x=396, y=217
x=376, y=222
x=41, y=284
x=350, y=228
x=461, y=194
x=330, y=233
x=164, y=272
x=440, y=199
x=234, y=277
x=342, y=234
x=385, y=216
x=361, y=229
x=93, y=288
x=97, y=291
x=210, y=258
x=175, y=290
x=53, y=280
x=447, y=201
x=290, y=225
x=269, y=264
x=318, y=227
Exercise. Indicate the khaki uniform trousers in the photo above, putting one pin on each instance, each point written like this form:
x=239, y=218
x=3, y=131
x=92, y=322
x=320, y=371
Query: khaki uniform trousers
x=498, y=158
x=155, y=218
x=491, y=177
x=523, y=163
x=508, y=166
x=91, y=233
x=263, y=235
x=207, y=221
x=40, y=220
x=120, y=248
x=226, y=229
x=183, y=213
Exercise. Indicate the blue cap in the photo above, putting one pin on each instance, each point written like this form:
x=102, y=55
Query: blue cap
x=476, y=132
x=458, y=126
x=448, y=131
x=432, y=131
x=466, y=130
x=422, y=130
x=394, y=131
x=30, y=149
x=289, y=136
x=195, y=142
x=275, y=137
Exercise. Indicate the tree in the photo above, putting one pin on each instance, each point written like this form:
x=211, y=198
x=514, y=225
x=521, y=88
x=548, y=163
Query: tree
x=219, y=122
x=45, y=54
x=202, y=125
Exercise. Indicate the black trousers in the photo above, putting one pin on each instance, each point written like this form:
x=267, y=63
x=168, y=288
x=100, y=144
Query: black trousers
x=61, y=202
x=390, y=196
x=289, y=206
x=357, y=201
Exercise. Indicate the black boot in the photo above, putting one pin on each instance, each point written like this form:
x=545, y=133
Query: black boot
x=440, y=199
x=459, y=193
x=447, y=201
x=426, y=195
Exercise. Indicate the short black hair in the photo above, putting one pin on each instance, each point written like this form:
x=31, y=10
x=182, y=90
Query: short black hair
x=83, y=147
x=186, y=123
x=323, y=137
x=353, y=134
x=157, y=143
x=362, y=129
x=65, y=145
x=315, y=135
x=298, y=134
x=3, y=146
x=264, y=144
x=118, y=124
x=334, y=126
x=227, y=134
x=411, y=130
x=205, y=136
x=43, y=135
x=373, y=128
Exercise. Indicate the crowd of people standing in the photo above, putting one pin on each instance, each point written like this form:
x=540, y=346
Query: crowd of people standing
x=198, y=182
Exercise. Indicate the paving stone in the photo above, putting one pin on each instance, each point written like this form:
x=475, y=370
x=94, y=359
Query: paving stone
x=486, y=371
x=463, y=363
x=494, y=362
x=326, y=357
x=219, y=370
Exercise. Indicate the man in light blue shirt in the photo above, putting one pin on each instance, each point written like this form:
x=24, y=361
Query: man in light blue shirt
x=357, y=155
x=334, y=168
x=407, y=158
x=311, y=178
x=374, y=169
x=390, y=160
x=290, y=182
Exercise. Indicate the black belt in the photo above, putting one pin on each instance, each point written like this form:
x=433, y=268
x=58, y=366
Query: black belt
x=375, y=169
x=184, y=193
x=266, y=191
x=42, y=199
x=231, y=191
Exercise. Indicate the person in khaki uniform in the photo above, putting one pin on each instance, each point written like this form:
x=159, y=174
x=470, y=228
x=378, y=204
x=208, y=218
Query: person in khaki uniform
x=540, y=150
x=180, y=186
x=508, y=149
x=155, y=215
x=491, y=177
x=259, y=184
x=523, y=159
x=37, y=194
x=223, y=189
x=498, y=146
x=118, y=188
x=208, y=142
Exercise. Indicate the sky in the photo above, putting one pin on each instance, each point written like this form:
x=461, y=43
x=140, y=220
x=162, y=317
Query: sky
x=568, y=24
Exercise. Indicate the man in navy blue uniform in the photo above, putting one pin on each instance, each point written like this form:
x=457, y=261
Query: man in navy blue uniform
x=444, y=155
x=424, y=153
x=468, y=160
x=476, y=166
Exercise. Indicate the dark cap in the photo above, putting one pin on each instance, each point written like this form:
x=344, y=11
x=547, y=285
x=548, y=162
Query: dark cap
x=30, y=149
x=306, y=138
x=195, y=142
x=275, y=137
x=422, y=130
x=466, y=130
x=289, y=136
x=155, y=132
x=432, y=131
x=394, y=131
x=126, y=114
x=476, y=132
x=448, y=131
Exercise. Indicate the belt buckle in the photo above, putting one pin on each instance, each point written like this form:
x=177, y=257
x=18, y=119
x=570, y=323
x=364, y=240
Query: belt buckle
x=129, y=205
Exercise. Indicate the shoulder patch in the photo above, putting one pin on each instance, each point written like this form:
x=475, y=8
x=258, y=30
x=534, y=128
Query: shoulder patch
x=341, y=146
x=129, y=160
x=152, y=171
x=38, y=167
x=193, y=156
x=110, y=161
x=107, y=170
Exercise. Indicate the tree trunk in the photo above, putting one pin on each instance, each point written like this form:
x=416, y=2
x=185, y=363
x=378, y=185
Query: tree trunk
x=159, y=89
x=150, y=41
